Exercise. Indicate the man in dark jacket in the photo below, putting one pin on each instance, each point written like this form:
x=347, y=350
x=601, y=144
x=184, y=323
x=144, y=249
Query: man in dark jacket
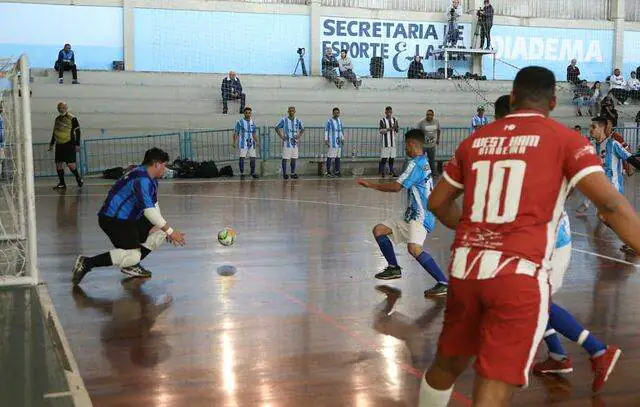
x=485, y=19
x=231, y=90
x=573, y=72
x=416, y=69
x=329, y=65
x=66, y=62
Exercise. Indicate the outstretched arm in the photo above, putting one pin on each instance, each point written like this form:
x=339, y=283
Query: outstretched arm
x=613, y=207
x=386, y=187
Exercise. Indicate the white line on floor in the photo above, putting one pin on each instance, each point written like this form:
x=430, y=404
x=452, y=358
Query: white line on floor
x=606, y=257
x=56, y=395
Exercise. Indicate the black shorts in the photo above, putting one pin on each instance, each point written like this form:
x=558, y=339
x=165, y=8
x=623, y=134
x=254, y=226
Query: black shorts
x=125, y=234
x=66, y=153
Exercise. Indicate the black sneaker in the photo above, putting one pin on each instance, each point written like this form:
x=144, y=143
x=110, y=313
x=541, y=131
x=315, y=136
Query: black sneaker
x=241, y=176
x=394, y=175
x=80, y=269
x=224, y=111
x=337, y=174
x=438, y=290
x=390, y=273
x=627, y=249
x=136, y=271
x=60, y=187
x=80, y=183
x=330, y=175
x=285, y=176
x=254, y=176
x=294, y=176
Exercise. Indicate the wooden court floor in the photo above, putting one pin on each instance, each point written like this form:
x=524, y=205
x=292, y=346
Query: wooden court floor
x=300, y=323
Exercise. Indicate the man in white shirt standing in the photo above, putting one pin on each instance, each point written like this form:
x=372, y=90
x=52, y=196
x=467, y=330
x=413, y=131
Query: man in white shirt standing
x=334, y=138
x=389, y=131
x=618, y=86
x=479, y=120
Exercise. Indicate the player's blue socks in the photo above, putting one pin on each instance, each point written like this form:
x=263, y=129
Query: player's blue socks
x=241, y=165
x=252, y=164
x=328, y=165
x=391, y=171
x=386, y=247
x=284, y=167
x=566, y=325
x=556, y=351
x=337, y=166
x=293, y=165
x=430, y=265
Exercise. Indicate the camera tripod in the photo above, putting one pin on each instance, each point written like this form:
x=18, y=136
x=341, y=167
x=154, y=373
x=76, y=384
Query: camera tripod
x=300, y=63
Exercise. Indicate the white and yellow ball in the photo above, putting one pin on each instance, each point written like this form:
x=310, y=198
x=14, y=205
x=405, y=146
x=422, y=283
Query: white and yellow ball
x=227, y=236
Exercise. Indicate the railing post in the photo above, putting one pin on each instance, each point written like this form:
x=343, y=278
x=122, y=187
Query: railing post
x=85, y=160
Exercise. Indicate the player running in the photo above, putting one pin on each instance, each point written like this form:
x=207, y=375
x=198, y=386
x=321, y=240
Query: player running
x=517, y=173
x=417, y=221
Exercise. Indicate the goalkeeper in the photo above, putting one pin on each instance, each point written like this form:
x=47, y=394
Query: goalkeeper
x=131, y=218
x=334, y=138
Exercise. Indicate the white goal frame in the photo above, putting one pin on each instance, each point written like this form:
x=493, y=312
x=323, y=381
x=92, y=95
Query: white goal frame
x=20, y=120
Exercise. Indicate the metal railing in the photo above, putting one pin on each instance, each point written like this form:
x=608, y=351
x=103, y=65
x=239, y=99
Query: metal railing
x=96, y=155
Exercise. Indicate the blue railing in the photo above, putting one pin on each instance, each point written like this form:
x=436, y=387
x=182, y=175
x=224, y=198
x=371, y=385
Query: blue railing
x=98, y=154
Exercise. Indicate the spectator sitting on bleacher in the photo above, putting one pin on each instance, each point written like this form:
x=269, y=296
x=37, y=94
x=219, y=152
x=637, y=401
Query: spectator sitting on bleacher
x=618, y=86
x=416, y=69
x=596, y=96
x=329, y=65
x=232, y=90
x=66, y=62
x=582, y=97
x=633, y=87
x=346, y=69
x=573, y=72
x=608, y=110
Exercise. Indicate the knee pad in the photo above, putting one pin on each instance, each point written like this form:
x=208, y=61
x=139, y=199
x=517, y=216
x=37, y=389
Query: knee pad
x=154, y=240
x=125, y=258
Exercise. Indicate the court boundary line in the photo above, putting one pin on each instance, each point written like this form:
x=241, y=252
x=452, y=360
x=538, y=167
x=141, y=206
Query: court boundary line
x=606, y=257
x=77, y=389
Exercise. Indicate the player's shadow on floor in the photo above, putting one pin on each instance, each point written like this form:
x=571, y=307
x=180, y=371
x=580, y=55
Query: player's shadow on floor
x=130, y=327
x=410, y=330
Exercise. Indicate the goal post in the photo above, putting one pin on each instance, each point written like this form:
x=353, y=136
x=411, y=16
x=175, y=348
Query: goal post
x=18, y=240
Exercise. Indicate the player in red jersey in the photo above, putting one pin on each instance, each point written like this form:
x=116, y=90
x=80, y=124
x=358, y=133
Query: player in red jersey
x=516, y=173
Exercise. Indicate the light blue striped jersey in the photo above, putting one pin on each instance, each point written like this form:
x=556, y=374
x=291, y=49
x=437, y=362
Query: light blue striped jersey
x=417, y=180
x=333, y=133
x=290, y=127
x=613, y=157
x=479, y=121
x=564, y=231
x=245, y=130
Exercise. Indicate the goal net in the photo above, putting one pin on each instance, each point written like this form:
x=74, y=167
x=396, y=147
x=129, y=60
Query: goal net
x=18, y=263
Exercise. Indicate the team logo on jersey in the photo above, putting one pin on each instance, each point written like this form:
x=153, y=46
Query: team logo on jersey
x=584, y=151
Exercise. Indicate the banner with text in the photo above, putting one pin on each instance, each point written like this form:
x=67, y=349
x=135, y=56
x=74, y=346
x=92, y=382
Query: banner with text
x=552, y=48
x=397, y=42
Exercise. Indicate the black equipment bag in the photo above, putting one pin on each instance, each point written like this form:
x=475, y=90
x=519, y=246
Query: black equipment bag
x=376, y=67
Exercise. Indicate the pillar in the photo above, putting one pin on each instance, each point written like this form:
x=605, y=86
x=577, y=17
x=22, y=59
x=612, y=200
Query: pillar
x=315, y=53
x=618, y=16
x=128, y=35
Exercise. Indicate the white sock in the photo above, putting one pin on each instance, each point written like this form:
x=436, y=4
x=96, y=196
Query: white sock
x=430, y=397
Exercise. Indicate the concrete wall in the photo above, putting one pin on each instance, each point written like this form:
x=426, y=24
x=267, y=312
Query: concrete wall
x=151, y=35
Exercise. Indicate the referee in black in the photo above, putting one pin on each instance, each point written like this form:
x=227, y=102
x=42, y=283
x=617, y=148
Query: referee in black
x=66, y=137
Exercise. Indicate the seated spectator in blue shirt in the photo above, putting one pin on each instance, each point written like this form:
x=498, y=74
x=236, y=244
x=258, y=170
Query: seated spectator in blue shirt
x=479, y=120
x=231, y=90
x=66, y=62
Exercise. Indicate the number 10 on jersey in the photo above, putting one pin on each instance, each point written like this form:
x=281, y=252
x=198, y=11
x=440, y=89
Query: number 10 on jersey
x=497, y=192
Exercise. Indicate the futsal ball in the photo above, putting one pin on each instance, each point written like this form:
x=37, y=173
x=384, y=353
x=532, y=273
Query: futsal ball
x=227, y=236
